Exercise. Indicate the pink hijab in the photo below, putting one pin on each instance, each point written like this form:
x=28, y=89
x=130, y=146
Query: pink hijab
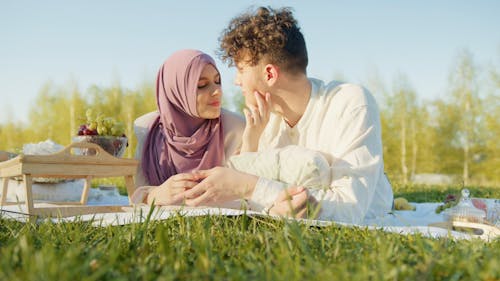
x=179, y=140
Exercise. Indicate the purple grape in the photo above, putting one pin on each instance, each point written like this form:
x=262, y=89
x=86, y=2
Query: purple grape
x=89, y=132
x=81, y=130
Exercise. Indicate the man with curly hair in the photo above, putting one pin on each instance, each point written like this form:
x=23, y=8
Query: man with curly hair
x=285, y=107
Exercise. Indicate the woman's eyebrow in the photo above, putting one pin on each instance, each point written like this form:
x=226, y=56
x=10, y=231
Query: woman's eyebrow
x=206, y=78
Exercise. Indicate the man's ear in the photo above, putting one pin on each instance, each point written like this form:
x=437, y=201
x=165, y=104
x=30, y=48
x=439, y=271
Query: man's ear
x=272, y=73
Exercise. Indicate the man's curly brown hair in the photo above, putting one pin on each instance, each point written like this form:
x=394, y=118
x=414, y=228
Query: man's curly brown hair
x=268, y=33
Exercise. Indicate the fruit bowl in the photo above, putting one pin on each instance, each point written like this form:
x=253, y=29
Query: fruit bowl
x=111, y=144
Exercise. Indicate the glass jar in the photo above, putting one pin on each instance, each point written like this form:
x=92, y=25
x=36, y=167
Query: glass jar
x=465, y=210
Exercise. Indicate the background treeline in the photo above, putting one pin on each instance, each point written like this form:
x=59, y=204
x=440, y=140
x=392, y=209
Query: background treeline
x=456, y=133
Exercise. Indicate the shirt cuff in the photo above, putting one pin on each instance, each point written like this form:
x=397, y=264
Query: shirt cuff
x=265, y=193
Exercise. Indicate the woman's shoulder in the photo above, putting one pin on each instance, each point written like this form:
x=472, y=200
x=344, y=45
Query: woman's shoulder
x=141, y=126
x=232, y=121
x=145, y=120
x=233, y=125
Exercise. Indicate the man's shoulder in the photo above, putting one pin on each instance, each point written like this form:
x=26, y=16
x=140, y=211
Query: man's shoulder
x=342, y=93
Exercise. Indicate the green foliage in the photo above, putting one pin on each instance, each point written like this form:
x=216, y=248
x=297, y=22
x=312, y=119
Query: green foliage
x=400, y=118
x=58, y=112
x=488, y=154
x=236, y=101
x=420, y=193
x=455, y=134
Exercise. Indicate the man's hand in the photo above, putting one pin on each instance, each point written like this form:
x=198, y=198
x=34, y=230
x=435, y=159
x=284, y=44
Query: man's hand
x=165, y=194
x=295, y=202
x=256, y=119
x=219, y=185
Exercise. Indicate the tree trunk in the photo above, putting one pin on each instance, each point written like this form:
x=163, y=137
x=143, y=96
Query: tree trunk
x=72, y=122
x=414, y=148
x=130, y=131
x=465, y=175
x=404, y=168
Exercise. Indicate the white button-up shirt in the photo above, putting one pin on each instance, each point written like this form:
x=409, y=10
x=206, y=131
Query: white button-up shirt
x=342, y=122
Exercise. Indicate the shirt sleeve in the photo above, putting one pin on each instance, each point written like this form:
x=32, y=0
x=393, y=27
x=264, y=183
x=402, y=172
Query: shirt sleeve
x=265, y=193
x=355, y=167
x=354, y=170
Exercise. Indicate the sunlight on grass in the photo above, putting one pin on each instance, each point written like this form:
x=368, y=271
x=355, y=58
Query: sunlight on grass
x=240, y=248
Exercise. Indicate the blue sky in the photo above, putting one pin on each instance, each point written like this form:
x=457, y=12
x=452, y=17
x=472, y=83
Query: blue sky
x=100, y=42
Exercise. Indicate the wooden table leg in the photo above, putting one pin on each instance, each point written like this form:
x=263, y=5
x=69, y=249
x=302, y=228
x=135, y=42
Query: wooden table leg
x=5, y=185
x=129, y=183
x=86, y=189
x=28, y=181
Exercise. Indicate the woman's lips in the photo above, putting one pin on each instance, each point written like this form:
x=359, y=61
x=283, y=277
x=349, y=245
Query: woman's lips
x=214, y=103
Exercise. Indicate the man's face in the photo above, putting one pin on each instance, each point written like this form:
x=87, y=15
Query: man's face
x=250, y=79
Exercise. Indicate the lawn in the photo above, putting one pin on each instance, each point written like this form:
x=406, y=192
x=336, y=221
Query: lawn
x=242, y=248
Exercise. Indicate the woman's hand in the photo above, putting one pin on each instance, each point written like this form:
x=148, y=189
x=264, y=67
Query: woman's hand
x=256, y=120
x=219, y=185
x=165, y=194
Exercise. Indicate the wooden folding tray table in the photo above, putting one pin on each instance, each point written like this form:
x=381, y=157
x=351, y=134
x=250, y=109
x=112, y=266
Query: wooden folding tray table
x=67, y=164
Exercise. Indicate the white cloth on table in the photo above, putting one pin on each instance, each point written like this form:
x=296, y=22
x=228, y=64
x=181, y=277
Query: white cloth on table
x=42, y=148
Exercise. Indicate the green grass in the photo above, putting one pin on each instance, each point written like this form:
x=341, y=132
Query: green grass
x=238, y=248
x=427, y=193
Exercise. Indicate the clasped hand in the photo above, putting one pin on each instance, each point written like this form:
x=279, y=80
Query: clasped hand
x=220, y=184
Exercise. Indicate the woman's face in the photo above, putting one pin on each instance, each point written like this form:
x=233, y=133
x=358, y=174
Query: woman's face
x=209, y=93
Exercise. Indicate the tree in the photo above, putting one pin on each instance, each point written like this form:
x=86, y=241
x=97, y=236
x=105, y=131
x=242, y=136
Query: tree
x=465, y=94
x=403, y=113
x=488, y=160
x=12, y=135
x=446, y=146
x=54, y=114
x=124, y=105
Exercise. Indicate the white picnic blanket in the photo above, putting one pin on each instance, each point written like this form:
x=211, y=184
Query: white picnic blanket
x=402, y=222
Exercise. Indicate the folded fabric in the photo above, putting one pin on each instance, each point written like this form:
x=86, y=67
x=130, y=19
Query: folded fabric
x=294, y=165
x=42, y=148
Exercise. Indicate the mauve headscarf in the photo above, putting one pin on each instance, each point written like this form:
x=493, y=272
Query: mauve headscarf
x=179, y=140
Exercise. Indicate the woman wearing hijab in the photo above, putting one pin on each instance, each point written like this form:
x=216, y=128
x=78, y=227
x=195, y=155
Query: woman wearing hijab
x=189, y=132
